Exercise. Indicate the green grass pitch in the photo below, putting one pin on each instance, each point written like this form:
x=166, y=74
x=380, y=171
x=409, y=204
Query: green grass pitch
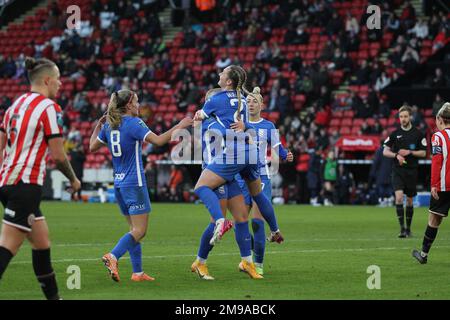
x=325, y=256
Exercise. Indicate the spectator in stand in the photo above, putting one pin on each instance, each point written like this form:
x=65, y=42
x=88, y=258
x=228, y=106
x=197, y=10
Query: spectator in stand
x=420, y=30
x=361, y=76
x=322, y=141
x=382, y=82
x=334, y=137
x=223, y=62
x=410, y=60
x=300, y=36
x=334, y=25
x=264, y=53
x=107, y=17
x=304, y=86
x=416, y=117
x=377, y=128
x=437, y=80
x=274, y=92
x=351, y=25
x=63, y=100
x=284, y=103
x=396, y=56
x=365, y=128
x=5, y=102
x=437, y=104
x=408, y=16
x=393, y=23
x=189, y=38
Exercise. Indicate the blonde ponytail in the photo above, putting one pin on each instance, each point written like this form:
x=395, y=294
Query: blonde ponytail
x=118, y=106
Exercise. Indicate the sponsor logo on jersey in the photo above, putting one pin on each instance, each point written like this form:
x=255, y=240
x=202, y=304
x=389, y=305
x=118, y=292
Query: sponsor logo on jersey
x=398, y=137
x=412, y=146
x=10, y=213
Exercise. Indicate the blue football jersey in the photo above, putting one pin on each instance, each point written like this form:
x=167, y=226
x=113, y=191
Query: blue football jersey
x=223, y=107
x=209, y=150
x=125, y=145
x=267, y=136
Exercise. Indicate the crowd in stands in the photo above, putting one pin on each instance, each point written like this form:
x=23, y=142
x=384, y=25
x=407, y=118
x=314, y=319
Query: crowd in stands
x=297, y=84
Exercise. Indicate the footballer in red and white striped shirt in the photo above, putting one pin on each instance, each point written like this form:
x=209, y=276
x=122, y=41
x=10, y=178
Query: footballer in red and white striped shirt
x=30, y=129
x=28, y=124
x=440, y=182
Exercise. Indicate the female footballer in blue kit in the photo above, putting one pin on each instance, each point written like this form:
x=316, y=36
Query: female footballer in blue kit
x=266, y=135
x=228, y=108
x=229, y=196
x=123, y=132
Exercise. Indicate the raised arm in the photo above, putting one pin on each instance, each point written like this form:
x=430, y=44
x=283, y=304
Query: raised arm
x=165, y=137
x=95, y=143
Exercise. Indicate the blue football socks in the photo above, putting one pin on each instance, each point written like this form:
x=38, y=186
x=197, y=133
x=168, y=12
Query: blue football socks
x=243, y=238
x=136, y=257
x=123, y=245
x=266, y=209
x=205, y=247
x=259, y=240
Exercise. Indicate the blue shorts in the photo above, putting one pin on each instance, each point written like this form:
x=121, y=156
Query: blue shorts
x=228, y=171
x=228, y=190
x=266, y=186
x=133, y=200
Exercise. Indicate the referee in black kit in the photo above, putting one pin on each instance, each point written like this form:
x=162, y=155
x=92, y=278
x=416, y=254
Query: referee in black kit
x=405, y=145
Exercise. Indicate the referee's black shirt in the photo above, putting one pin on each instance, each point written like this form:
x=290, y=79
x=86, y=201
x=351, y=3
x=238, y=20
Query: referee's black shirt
x=411, y=139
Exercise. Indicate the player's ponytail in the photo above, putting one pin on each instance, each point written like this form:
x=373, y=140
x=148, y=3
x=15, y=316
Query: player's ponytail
x=118, y=106
x=238, y=76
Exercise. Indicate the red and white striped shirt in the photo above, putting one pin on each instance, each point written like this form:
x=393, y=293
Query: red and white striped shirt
x=440, y=164
x=28, y=124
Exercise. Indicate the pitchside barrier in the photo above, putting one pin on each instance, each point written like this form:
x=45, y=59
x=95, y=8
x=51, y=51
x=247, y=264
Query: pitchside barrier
x=98, y=183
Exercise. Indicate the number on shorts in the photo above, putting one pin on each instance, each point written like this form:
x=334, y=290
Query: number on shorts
x=115, y=143
x=262, y=185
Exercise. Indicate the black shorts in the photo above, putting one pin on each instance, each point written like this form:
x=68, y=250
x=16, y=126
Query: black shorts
x=406, y=180
x=441, y=206
x=21, y=203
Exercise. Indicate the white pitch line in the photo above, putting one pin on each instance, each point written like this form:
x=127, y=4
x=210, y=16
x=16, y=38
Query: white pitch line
x=236, y=253
x=196, y=241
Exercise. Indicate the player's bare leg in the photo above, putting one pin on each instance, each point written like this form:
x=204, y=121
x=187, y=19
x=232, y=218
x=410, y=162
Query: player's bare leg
x=11, y=239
